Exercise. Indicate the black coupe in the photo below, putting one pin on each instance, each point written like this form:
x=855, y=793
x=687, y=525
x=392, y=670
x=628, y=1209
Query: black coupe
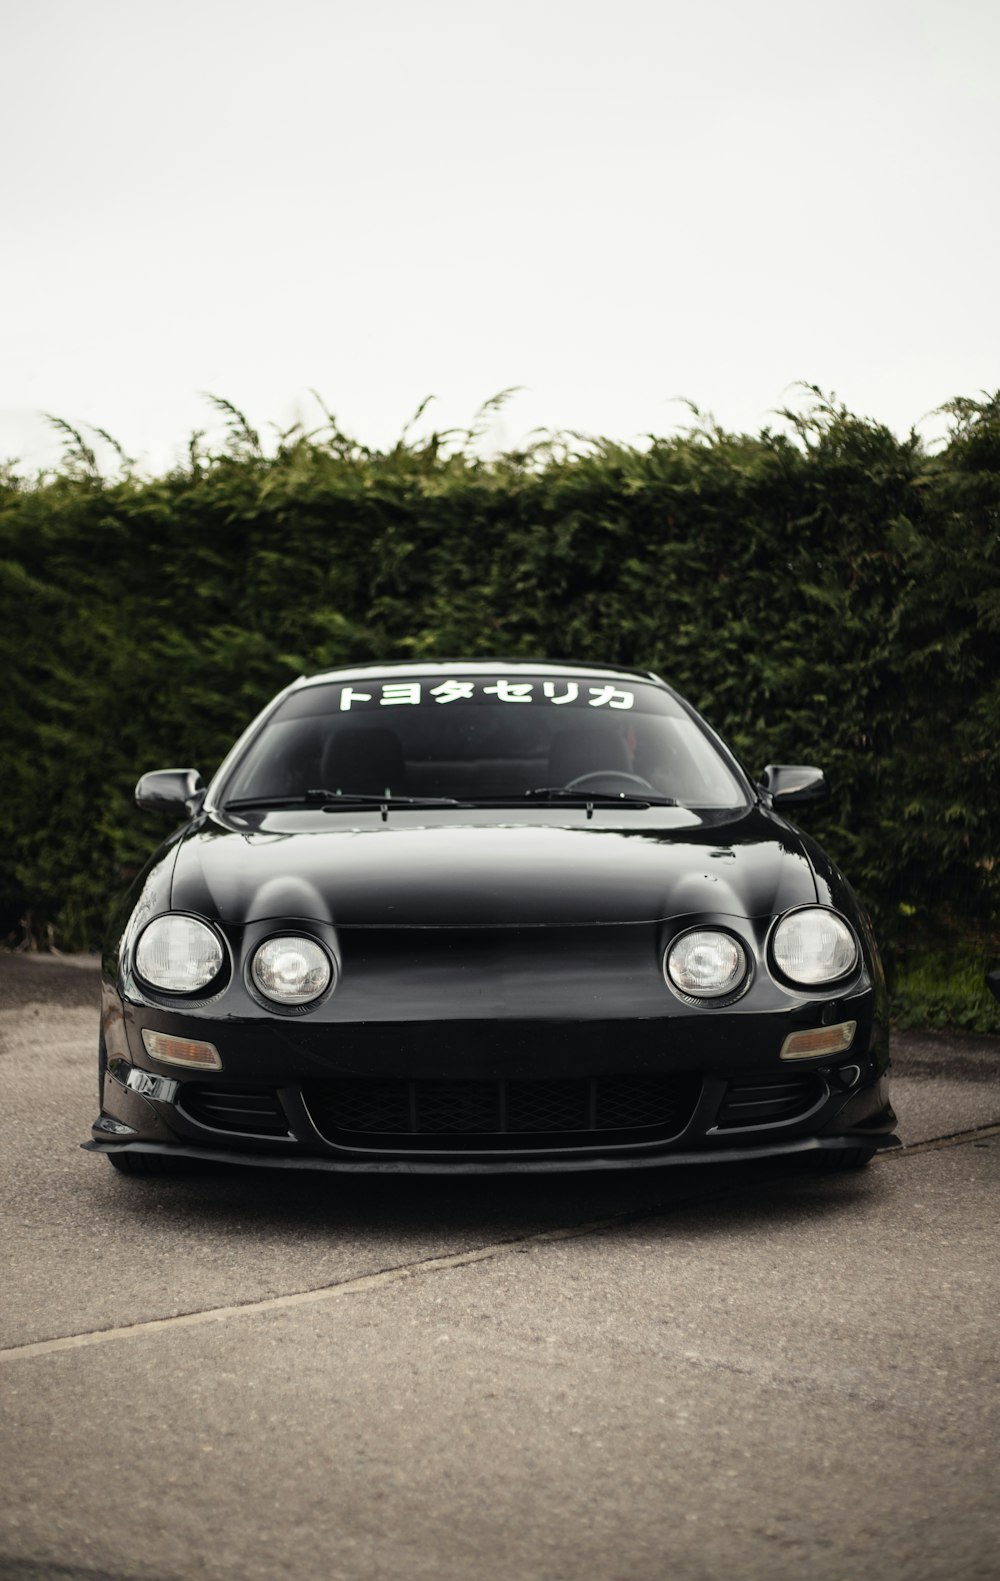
x=488, y=916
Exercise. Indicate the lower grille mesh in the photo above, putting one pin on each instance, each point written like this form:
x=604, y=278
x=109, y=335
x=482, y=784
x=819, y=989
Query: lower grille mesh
x=574, y=1112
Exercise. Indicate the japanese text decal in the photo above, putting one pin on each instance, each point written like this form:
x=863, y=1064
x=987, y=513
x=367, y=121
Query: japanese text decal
x=393, y=694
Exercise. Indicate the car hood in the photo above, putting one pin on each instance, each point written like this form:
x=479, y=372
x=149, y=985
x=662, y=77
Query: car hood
x=452, y=872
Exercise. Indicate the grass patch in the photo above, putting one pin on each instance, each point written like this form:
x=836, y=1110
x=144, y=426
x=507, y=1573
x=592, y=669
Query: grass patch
x=945, y=988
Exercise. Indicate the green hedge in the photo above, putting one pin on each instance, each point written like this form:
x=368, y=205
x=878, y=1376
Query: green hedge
x=828, y=594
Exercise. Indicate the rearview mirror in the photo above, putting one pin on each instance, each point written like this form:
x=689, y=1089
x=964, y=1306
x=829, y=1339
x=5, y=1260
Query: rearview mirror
x=177, y=791
x=790, y=783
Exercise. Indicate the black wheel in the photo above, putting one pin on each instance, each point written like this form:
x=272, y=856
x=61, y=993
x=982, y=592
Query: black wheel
x=843, y=1159
x=144, y=1163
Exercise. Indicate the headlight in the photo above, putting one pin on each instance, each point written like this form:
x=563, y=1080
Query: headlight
x=179, y=954
x=706, y=964
x=291, y=971
x=814, y=946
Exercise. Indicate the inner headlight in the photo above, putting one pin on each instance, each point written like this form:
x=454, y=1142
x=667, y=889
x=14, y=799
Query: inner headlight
x=814, y=946
x=706, y=964
x=291, y=971
x=178, y=954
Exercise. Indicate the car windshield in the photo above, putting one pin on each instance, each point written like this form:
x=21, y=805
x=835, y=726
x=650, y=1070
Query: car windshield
x=484, y=737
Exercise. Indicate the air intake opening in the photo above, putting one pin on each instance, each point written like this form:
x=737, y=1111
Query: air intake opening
x=769, y=1100
x=240, y=1110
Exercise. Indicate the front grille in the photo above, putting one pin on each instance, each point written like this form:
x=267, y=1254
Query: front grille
x=767, y=1100
x=248, y=1111
x=480, y=1115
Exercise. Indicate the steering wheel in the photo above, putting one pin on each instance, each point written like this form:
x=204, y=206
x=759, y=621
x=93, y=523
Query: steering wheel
x=582, y=781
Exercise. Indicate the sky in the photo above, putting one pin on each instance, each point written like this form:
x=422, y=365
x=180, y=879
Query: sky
x=615, y=206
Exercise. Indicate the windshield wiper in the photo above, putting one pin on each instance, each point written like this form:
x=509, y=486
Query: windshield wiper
x=567, y=793
x=334, y=798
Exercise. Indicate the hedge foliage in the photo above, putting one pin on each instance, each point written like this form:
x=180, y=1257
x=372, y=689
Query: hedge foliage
x=827, y=593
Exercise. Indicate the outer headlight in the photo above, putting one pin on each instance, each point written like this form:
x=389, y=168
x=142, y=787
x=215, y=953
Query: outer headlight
x=178, y=954
x=291, y=971
x=706, y=964
x=814, y=946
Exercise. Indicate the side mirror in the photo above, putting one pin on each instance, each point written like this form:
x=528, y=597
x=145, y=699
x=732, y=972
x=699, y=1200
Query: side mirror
x=787, y=784
x=993, y=983
x=176, y=791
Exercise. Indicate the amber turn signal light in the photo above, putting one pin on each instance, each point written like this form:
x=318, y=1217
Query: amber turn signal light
x=181, y=1051
x=820, y=1040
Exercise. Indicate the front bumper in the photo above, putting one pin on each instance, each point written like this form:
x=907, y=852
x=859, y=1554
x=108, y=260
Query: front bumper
x=495, y=1097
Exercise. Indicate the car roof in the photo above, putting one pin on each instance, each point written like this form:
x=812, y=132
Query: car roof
x=477, y=667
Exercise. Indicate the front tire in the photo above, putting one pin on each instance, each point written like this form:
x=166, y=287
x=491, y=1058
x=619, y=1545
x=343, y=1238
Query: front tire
x=144, y=1164
x=843, y=1159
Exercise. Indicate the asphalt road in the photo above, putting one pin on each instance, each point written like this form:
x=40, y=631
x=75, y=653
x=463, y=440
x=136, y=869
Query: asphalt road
x=737, y=1372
